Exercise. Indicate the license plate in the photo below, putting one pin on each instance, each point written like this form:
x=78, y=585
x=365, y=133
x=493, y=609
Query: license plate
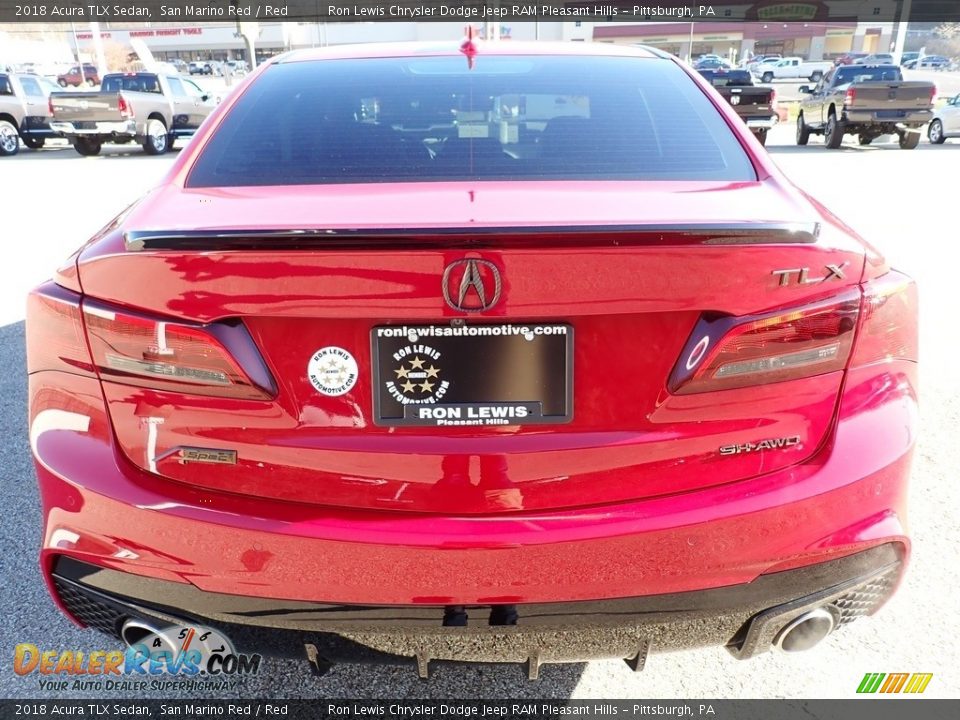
x=473, y=375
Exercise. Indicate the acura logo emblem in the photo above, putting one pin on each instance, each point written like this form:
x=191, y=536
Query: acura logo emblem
x=471, y=285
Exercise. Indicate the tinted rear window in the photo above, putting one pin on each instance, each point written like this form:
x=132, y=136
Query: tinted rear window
x=863, y=73
x=730, y=78
x=141, y=82
x=432, y=119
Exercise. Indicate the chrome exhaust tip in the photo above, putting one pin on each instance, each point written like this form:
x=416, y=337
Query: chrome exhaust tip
x=805, y=631
x=137, y=630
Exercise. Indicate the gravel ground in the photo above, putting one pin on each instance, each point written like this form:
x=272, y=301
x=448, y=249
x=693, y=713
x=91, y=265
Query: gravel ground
x=900, y=200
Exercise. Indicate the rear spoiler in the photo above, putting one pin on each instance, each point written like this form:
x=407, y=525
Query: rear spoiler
x=473, y=237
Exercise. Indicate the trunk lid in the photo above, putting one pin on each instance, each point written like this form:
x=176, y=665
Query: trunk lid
x=621, y=264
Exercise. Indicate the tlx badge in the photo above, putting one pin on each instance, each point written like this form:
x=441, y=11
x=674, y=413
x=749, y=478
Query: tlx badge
x=833, y=272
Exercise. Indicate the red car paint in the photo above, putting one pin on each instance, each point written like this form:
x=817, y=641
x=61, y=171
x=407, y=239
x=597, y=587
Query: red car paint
x=630, y=498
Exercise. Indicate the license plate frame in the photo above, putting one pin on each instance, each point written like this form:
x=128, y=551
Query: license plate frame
x=459, y=395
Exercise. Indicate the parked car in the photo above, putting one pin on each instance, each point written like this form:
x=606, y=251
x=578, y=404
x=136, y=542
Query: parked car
x=875, y=59
x=712, y=64
x=73, y=77
x=237, y=67
x=761, y=60
x=24, y=112
x=648, y=405
x=198, y=68
x=148, y=108
x=756, y=105
x=791, y=68
x=937, y=62
x=946, y=122
x=908, y=57
x=849, y=58
x=867, y=101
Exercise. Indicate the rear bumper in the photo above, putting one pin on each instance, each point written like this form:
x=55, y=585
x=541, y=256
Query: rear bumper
x=743, y=618
x=764, y=123
x=124, y=127
x=182, y=551
x=873, y=117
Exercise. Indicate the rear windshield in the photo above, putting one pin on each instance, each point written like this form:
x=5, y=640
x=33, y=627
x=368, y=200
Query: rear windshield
x=435, y=119
x=731, y=78
x=141, y=82
x=862, y=73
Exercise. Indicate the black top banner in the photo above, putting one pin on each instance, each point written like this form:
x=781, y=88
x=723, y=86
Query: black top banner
x=180, y=11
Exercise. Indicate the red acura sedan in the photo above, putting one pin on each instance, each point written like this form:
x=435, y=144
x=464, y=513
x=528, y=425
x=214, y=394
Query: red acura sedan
x=508, y=353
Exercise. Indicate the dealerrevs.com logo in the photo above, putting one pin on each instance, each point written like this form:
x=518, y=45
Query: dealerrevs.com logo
x=182, y=657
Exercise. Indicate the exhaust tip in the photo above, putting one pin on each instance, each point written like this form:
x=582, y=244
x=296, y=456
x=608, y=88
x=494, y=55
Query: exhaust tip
x=805, y=631
x=136, y=630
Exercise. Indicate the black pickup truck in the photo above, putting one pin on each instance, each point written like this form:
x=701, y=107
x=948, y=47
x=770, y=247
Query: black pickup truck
x=755, y=104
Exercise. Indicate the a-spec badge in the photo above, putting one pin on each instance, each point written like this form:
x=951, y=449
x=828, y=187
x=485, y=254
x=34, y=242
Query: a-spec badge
x=332, y=371
x=206, y=455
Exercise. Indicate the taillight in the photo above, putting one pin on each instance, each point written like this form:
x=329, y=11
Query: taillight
x=126, y=110
x=50, y=105
x=888, y=320
x=54, y=331
x=850, y=96
x=731, y=352
x=214, y=359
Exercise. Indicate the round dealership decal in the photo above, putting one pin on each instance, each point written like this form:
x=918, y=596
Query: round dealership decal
x=332, y=371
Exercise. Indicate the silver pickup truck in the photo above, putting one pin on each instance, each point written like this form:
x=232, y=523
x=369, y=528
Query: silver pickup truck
x=147, y=108
x=867, y=101
x=24, y=111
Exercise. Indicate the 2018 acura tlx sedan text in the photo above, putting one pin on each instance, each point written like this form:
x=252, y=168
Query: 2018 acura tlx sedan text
x=510, y=353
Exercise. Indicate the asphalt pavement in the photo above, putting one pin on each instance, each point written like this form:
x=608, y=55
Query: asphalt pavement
x=901, y=200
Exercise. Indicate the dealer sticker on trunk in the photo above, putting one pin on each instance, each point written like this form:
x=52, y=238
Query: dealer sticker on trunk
x=332, y=371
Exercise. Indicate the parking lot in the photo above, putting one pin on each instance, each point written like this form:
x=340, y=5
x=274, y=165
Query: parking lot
x=900, y=200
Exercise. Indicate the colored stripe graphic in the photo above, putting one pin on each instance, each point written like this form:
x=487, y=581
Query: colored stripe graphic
x=870, y=682
x=918, y=683
x=894, y=682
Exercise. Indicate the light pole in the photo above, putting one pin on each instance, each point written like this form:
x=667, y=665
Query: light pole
x=76, y=44
x=902, y=26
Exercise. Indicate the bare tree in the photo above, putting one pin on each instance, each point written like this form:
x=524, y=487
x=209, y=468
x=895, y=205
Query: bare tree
x=120, y=58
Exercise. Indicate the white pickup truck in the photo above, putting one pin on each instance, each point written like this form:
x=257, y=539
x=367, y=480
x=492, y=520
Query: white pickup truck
x=790, y=68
